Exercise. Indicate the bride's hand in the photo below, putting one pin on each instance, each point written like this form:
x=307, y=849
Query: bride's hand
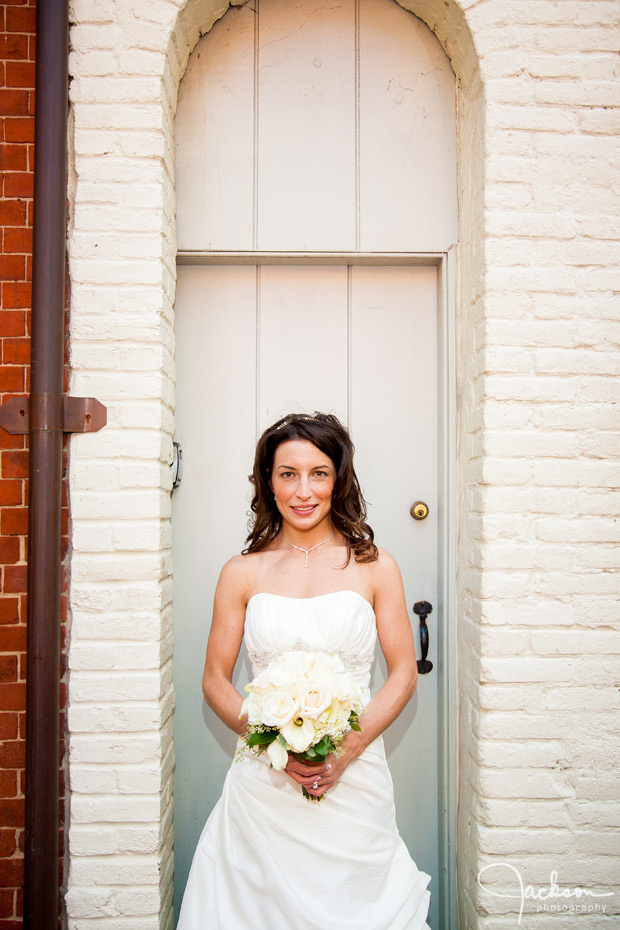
x=351, y=747
x=307, y=774
x=327, y=774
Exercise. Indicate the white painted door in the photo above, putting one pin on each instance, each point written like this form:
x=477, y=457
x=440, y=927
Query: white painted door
x=252, y=344
x=310, y=143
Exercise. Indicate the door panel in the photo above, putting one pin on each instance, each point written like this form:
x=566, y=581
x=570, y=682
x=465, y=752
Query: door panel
x=253, y=343
x=407, y=142
x=215, y=422
x=215, y=139
x=306, y=120
x=303, y=328
x=394, y=427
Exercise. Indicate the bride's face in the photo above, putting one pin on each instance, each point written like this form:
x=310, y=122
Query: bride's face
x=302, y=481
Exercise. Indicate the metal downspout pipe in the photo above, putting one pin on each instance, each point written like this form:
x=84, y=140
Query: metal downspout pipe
x=45, y=473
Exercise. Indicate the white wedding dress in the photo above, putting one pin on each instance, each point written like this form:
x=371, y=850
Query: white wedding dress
x=269, y=859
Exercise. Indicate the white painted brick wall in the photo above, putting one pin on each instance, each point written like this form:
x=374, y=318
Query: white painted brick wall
x=538, y=590
x=537, y=736
x=126, y=62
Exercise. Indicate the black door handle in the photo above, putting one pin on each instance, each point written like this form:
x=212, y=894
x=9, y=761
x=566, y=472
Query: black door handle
x=423, y=609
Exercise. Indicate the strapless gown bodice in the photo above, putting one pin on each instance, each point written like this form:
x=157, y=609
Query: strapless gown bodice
x=341, y=623
x=268, y=859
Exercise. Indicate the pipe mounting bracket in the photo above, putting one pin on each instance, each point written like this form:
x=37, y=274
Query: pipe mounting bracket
x=58, y=412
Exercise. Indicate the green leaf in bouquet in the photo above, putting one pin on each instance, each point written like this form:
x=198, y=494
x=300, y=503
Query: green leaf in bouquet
x=309, y=756
x=262, y=739
x=354, y=721
x=323, y=747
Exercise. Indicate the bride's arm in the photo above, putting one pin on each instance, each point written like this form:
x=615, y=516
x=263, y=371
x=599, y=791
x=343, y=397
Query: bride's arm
x=396, y=640
x=224, y=644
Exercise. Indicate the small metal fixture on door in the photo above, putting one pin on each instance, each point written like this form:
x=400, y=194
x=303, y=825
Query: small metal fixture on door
x=176, y=466
x=419, y=510
x=423, y=609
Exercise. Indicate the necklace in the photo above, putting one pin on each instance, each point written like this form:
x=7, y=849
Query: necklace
x=308, y=551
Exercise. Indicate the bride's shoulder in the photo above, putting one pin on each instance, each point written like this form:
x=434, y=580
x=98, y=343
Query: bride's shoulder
x=239, y=573
x=236, y=569
x=385, y=570
x=385, y=561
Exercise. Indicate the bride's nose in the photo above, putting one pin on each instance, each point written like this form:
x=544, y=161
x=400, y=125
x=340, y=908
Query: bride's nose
x=303, y=488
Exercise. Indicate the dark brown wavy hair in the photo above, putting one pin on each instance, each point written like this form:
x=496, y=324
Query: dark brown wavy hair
x=348, y=512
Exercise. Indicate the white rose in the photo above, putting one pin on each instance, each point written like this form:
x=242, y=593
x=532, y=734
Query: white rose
x=346, y=689
x=314, y=699
x=283, y=676
x=326, y=666
x=277, y=709
x=260, y=684
x=298, y=660
x=334, y=720
x=278, y=755
x=299, y=734
x=251, y=707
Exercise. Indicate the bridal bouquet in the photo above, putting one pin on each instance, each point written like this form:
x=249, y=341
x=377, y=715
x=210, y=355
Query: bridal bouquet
x=304, y=703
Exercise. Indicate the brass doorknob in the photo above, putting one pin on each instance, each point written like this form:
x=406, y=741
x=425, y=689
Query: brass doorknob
x=419, y=510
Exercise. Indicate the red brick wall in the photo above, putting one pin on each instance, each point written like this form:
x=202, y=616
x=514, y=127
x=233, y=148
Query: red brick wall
x=17, y=50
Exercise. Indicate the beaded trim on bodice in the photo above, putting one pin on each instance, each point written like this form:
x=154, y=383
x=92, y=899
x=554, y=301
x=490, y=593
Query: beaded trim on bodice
x=350, y=660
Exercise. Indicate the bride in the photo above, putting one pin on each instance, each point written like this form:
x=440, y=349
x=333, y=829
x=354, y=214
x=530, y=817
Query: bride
x=310, y=578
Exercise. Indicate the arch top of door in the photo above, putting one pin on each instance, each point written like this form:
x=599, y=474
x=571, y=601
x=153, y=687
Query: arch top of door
x=304, y=130
x=446, y=18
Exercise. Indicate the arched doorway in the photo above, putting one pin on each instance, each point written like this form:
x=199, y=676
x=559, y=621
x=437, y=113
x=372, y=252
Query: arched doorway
x=316, y=194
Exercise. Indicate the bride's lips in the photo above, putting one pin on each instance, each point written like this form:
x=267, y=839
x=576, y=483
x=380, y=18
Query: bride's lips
x=303, y=511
